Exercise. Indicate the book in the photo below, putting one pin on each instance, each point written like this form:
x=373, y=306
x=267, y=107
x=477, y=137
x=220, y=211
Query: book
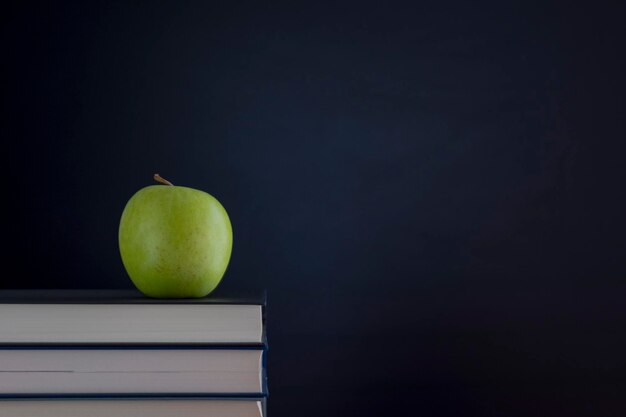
x=113, y=317
x=132, y=407
x=114, y=352
x=129, y=371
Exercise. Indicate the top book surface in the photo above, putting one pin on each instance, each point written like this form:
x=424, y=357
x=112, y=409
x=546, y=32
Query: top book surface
x=99, y=317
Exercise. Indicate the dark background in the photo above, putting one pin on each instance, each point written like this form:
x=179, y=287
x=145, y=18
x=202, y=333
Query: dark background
x=432, y=193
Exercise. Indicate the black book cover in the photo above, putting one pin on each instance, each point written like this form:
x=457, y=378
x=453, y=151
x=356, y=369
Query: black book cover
x=112, y=296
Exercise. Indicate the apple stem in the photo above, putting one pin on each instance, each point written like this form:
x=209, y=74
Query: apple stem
x=162, y=180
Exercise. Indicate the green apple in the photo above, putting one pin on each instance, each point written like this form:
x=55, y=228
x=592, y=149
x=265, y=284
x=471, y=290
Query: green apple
x=175, y=241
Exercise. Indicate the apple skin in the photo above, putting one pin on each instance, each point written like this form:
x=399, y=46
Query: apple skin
x=175, y=242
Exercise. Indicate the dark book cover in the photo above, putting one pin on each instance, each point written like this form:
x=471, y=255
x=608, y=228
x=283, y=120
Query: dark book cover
x=114, y=296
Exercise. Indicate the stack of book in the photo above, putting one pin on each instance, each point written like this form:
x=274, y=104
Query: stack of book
x=118, y=353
